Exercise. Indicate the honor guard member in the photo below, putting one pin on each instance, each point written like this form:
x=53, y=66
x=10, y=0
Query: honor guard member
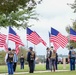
x=72, y=58
x=9, y=61
x=31, y=59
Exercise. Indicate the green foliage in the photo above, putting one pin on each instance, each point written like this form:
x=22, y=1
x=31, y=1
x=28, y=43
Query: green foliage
x=71, y=43
x=17, y=13
x=7, y=6
x=2, y=57
x=22, y=51
x=73, y=6
x=18, y=19
x=3, y=53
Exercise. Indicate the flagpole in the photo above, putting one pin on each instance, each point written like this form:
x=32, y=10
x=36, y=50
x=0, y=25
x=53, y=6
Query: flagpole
x=7, y=38
x=64, y=59
x=49, y=39
x=7, y=43
x=49, y=42
x=27, y=43
x=69, y=34
x=34, y=48
x=26, y=38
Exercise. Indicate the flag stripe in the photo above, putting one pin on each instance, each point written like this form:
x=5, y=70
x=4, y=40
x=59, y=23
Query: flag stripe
x=33, y=38
x=17, y=48
x=3, y=41
x=58, y=38
x=14, y=37
x=61, y=40
x=56, y=46
x=72, y=37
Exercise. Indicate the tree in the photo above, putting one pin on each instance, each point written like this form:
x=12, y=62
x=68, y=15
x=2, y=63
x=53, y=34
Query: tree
x=73, y=6
x=71, y=43
x=17, y=12
x=2, y=57
x=23, y=51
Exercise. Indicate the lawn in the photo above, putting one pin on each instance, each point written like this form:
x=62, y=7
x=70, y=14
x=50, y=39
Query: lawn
x=52, y=73
x=38, y=67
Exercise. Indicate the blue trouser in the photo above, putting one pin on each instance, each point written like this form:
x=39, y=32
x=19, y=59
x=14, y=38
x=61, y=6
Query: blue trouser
x=22, y=65
x=52, y=64
x=47, y=64
x=10, y=68
x=56, y=65
x=72, y=64
x=34, y=64
x=31, y=66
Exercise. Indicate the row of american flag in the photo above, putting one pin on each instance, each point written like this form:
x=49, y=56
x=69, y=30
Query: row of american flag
x=55, y=37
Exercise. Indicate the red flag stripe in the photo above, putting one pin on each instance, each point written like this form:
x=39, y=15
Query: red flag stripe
x=60, y=39
x=56, y=46
x=3, y=41
x=15, y=39
x=17, y=48
x=72, y=37
x=33, y=37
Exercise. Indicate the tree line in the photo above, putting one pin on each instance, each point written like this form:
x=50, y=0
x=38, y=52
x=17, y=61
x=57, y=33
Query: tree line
x=3, y=53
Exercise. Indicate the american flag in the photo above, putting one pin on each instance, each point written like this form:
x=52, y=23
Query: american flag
x=32, y=37
x=17, y=48
x=14, y=37
x=58, y=38
x=72, y=35
x=42, y=41
x=56, y=45
x=3, y=41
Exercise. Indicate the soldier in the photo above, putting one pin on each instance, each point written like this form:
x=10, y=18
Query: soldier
x=31, y=59
x=9, y=61
x=72, y=58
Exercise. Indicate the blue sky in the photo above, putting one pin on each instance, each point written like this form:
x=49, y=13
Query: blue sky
x=52, y=13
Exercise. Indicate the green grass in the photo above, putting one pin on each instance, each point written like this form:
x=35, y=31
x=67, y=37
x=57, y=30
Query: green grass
x=38, y=67
x=52, y=73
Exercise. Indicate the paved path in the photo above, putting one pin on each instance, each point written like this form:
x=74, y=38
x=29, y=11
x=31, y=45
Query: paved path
x=34, y=72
